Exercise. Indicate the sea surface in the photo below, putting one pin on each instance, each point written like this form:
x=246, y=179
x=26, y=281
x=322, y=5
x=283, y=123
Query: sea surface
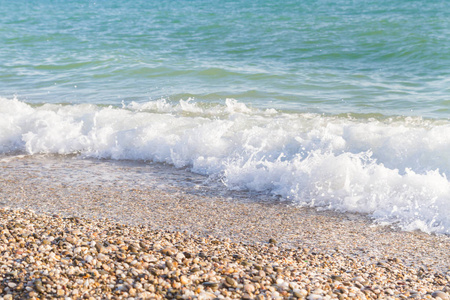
x=340, y=105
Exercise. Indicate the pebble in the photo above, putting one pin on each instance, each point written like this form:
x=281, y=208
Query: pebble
x=100, y=259
x=231, y=282
x=99, y=247
x=184, y=280
x=314, y=297
x=168, y=251
x=300, y=293
x=249, y=288
x=211, y=284
x=440, y=294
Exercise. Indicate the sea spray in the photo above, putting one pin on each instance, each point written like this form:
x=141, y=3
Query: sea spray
x=394, y=169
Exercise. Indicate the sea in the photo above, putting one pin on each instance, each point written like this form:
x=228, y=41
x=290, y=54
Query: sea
x=340, y=105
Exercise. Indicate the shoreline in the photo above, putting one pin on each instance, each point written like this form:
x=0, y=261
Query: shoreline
x=72, y=189
x=75, y=258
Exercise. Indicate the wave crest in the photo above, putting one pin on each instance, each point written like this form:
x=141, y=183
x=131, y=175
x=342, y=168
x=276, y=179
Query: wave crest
x=394, y=169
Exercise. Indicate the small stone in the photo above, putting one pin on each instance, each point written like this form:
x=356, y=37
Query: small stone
x=103, y=272
x=167, y=251
x=278, y=269
x=71, y=240
x=184, y=279
x=336, y=277
x=245, y=263
x=389, y=292
x=180, y=256
x=132, y=292
x=293, y=285
x=272, y=241
x=249, y=288
x=246, y=296
x=231, y=282
x=212, y=285
x=440, y=294
x=169, y=265
x=38, y=286
x=176, y=285
x=133, y=248
x=102, y=257
x=358, y=279
x=396, y=260
x=300, y=293
x=77, y=232
x=99, y=247
x=106, y=267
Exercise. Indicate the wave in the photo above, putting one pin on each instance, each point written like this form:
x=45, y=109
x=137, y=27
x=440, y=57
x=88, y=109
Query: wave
x=394, y=169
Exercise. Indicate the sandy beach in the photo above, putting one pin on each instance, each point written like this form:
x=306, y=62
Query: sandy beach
x=185, y=239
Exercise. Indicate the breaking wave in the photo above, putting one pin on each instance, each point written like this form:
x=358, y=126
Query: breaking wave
x=393, y=169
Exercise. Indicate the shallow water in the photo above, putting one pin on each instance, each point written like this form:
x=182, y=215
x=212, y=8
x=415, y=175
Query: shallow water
x=335, y=57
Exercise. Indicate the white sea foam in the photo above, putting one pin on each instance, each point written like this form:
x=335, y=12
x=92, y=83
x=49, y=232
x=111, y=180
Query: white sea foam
x=395, y=169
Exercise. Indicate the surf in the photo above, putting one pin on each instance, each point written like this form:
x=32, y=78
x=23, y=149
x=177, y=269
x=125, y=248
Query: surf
x=392, y=168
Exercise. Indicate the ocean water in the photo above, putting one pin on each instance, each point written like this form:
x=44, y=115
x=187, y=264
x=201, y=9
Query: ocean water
x=340, y=105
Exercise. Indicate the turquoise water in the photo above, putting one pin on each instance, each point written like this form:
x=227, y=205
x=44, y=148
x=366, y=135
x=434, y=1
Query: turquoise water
x=363, y=57
x=341, y=105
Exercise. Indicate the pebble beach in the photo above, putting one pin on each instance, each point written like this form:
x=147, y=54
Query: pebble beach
x=224, y=149
x=72, y=239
